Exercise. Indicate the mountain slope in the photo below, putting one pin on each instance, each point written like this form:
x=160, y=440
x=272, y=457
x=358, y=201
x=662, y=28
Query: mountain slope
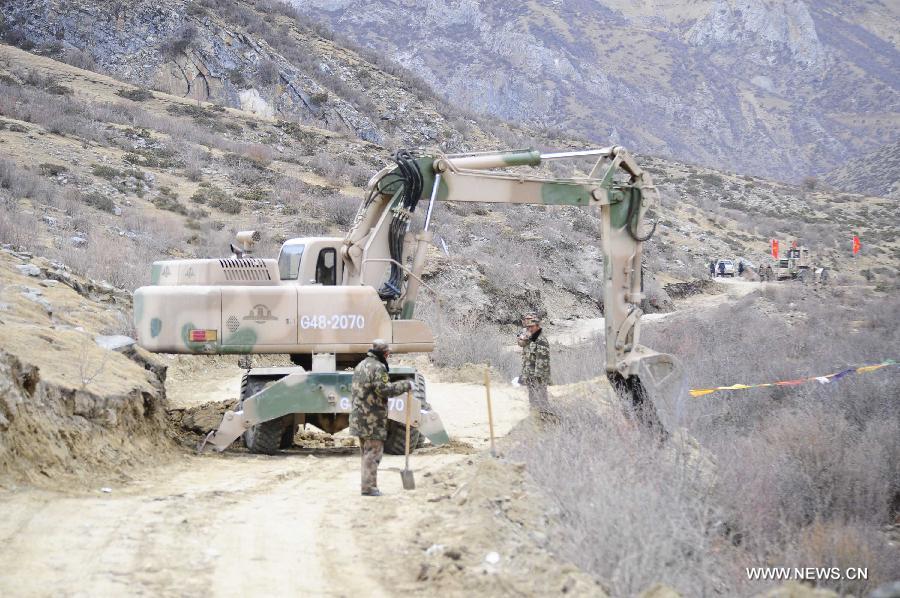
x=748, y=85
x=109, y=177
x=874, y=173
x=241, y=54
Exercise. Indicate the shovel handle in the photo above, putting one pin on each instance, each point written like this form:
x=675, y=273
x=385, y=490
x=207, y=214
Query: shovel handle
x=408, y=410
x=487, y=392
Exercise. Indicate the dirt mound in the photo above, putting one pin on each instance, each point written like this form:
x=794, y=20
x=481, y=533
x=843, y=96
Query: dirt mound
x=682, y=290
x=488, y=536
x=76, y=399
x=192, y=424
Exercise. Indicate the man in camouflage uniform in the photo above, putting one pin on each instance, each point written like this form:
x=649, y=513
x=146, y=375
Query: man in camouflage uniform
x=368, y=417
x=535, y=364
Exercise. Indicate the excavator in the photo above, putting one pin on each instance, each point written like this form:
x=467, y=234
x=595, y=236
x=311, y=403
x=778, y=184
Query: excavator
x=325, y=299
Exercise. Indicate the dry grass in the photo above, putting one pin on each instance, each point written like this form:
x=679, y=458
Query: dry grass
x=807, y=475
x=631, y=513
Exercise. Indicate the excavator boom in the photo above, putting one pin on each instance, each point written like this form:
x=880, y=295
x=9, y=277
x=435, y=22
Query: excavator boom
x=395, y=192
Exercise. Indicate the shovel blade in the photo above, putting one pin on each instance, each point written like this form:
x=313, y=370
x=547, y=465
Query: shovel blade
x=409, y=483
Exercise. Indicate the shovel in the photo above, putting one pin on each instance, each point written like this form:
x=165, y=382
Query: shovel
x=409, y=482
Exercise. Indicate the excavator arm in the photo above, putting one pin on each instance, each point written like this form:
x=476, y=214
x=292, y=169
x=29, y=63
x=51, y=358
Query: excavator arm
x=378, y=235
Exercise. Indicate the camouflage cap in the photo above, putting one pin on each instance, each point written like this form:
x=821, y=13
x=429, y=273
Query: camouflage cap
x=379, y=344
x=530, y=318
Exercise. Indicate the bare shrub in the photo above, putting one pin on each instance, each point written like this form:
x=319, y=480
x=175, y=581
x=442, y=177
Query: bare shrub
x=17, y=228
x=359, y=175
x=630, y=512
x=339, y=209
x=460, y=340
x=267, y=72
x=22, y=183
x=807, y=474
x=104, y=258
x=329, y=166
x=582, y=361
x=179, y=42
x=136, y=95
x=845, y=546
x=79, y=59
x=194, y=162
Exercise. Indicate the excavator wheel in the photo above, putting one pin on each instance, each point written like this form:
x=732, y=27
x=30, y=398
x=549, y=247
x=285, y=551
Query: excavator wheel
x=266, y=437
x=396, y=432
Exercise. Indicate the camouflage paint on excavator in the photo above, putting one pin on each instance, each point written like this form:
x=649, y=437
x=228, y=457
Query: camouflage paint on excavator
x=325, y=299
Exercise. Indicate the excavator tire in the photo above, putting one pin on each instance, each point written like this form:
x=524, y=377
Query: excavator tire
x=396, y=432
x=266, y=437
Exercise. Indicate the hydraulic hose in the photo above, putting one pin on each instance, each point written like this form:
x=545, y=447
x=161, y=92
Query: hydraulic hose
x=409, y=178
x=634, y=212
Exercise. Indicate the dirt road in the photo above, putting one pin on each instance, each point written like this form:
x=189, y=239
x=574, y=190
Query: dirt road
x=232, y=523
x=241, y=524
x=576, y=331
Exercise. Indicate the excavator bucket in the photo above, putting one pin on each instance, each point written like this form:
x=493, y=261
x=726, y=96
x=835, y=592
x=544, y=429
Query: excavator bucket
x=657, y=384
x=661, y=372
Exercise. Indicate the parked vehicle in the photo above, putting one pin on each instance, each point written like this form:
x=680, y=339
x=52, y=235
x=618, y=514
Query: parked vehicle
x=725, y=268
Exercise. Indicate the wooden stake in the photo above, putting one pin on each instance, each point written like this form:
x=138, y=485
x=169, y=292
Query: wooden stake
x=487, y=391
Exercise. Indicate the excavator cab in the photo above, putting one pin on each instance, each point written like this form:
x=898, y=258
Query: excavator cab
x=311, y=261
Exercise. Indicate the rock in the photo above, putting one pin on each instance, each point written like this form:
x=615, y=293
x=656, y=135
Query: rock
x=29, y=270
x=453, y=554
x=35, y=295
x=252, y=102
x=49, y=283
x=492, y=558
x=78, y=241
x=114, y=342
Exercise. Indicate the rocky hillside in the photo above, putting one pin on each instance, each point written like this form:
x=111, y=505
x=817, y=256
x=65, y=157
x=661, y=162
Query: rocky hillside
x=107, y=175
x=241, y=54
x=750, y=85
x=76, y=396
x=874, y=173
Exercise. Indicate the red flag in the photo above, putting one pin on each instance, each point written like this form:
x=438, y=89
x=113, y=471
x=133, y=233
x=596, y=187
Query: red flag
x=793, y=244
x=775, y=248
x=855, y=245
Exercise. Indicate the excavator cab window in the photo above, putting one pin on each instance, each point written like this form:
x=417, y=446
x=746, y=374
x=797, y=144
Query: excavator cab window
x=326, y=269
x=289, y=261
